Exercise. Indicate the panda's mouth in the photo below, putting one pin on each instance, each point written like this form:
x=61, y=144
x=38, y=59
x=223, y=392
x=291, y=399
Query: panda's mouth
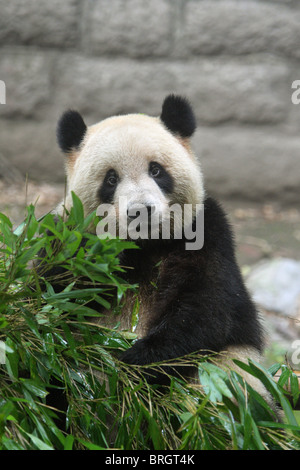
x=143, y=223
x=143, y=211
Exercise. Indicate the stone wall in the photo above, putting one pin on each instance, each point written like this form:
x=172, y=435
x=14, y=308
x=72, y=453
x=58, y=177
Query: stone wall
x=235, y=60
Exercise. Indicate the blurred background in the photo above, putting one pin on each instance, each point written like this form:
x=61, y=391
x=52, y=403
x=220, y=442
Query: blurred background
x=236, y=61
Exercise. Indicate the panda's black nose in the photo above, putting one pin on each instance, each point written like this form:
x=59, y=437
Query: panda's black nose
x=136, y=210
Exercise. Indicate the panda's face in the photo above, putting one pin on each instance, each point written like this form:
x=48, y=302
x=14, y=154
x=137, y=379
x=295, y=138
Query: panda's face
x=137, y=159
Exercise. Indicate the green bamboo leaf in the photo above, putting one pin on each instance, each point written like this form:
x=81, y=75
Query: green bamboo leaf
x=29, y=253
x=247, y=432
x=5, y=220
x=295, y=389
x=31, y=227
x=69, y=441
x=265, y=377
x=39, y=443
x=274, y=368
x=10, y=444
x=284, y=377
x=12, y=358
x=90, y=445
x=34, y=387
x=6, y=409
x=77, y=209
x=70, y=339
x=154, y=431
x=213, y=379
x=256, y=436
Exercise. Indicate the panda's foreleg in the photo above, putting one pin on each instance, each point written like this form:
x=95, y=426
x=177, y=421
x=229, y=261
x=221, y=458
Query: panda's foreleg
x=176, y=335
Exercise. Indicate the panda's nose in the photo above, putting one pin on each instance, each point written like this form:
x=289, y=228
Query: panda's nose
x=136, y=210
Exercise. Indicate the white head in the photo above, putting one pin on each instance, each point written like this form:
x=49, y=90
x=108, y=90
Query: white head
x=146, y=159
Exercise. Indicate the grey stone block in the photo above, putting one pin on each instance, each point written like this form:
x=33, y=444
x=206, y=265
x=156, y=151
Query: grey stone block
x=27, y=78
x=259, y=165
x=252, y=89
x=101, y=88
x=39, y=22
x=31, y=148
x=241, y=27
x=283, y=2
x=246, y=90
x=132, y=27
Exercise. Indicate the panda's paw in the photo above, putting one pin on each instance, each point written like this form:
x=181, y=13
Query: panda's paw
x=141, y=354
x=138, y=354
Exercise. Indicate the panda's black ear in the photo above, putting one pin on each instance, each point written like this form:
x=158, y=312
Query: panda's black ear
x=70, y=131
x=178, y=116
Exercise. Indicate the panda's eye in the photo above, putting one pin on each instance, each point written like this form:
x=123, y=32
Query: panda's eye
x=155, y=171
x=112, y=180
x=108, y=187
x=161, y=177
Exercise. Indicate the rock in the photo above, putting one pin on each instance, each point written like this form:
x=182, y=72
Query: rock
x=221, y=90
x=258, y=164
x=275, y=286
x=246, y=27
x=41, y=23
x=132, y=28
x=31, y=150
x=27, y=79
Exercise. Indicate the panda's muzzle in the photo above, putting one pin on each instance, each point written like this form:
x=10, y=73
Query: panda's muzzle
x=145, y=211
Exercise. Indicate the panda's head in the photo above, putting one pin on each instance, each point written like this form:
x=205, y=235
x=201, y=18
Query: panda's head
x=146, y=159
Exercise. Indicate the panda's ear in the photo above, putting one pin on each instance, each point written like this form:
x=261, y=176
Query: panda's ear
x=178, y=116
x=70, y=131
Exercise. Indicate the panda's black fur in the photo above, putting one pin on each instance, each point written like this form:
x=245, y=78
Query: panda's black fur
x=178, y=116
x=198, y=298
x=71, y=129
x=200, y=303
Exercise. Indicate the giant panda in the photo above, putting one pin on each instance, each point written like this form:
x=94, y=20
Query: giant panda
x=191, y=300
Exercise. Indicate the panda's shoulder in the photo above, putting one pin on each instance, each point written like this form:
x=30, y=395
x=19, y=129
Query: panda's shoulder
x=217, y=227
x=213, y=208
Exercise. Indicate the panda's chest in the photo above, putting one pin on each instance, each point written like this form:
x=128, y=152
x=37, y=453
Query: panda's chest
x=136, y=309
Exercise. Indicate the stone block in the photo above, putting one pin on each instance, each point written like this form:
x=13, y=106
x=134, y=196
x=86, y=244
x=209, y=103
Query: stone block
x=30, y=147
x=245, y=90
x=39, y=22
x=259, y=165
x=133, y=28
x=241, y=27
x=101, y=87
x=26, y=75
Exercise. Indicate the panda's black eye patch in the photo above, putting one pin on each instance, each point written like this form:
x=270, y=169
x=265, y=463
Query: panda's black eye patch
x=108, y=187
x=160, y=175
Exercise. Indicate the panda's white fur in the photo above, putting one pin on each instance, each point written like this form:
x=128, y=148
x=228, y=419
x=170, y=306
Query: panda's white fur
x=129, y=143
